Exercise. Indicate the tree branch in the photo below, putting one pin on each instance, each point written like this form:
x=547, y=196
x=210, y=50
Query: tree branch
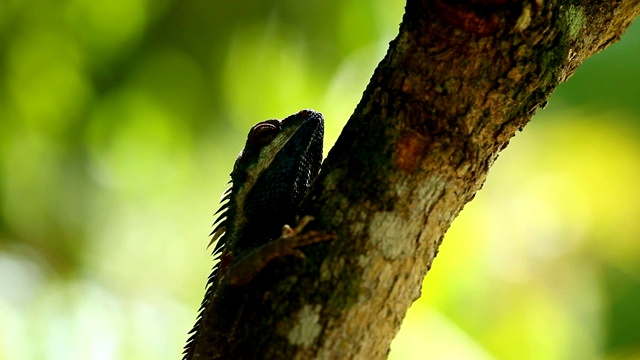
x=457, y=83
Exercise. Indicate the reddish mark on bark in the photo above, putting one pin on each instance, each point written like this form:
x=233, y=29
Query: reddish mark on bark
x=408, y=150
x=468, y=19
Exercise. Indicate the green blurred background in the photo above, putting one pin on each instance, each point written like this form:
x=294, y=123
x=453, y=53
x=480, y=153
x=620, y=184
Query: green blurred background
x=119, y=124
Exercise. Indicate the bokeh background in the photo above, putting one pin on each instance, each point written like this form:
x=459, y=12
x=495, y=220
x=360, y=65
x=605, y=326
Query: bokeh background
x=120, y=121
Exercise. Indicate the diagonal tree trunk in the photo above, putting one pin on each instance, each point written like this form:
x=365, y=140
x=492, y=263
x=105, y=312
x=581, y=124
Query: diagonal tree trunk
x=461, y=78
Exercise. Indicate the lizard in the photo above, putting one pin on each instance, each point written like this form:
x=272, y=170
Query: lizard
x=270, y=177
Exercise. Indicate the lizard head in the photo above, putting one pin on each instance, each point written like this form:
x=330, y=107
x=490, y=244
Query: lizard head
x=273, y=173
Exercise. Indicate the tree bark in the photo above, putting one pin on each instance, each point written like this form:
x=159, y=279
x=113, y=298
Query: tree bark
x=461, y=78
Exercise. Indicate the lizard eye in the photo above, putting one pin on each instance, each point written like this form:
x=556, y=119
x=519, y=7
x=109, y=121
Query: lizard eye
x=263, y=133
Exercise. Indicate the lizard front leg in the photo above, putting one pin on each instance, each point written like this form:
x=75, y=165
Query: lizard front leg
x=288, y=243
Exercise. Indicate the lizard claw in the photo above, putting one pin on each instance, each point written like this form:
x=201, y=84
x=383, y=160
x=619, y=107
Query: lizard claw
x=287, y=244
x=287, y=231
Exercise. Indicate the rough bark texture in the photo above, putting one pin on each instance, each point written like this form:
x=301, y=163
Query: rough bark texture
x=458, y=82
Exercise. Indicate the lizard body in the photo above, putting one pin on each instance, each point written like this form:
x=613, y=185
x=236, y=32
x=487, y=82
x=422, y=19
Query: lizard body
x=270, y=178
